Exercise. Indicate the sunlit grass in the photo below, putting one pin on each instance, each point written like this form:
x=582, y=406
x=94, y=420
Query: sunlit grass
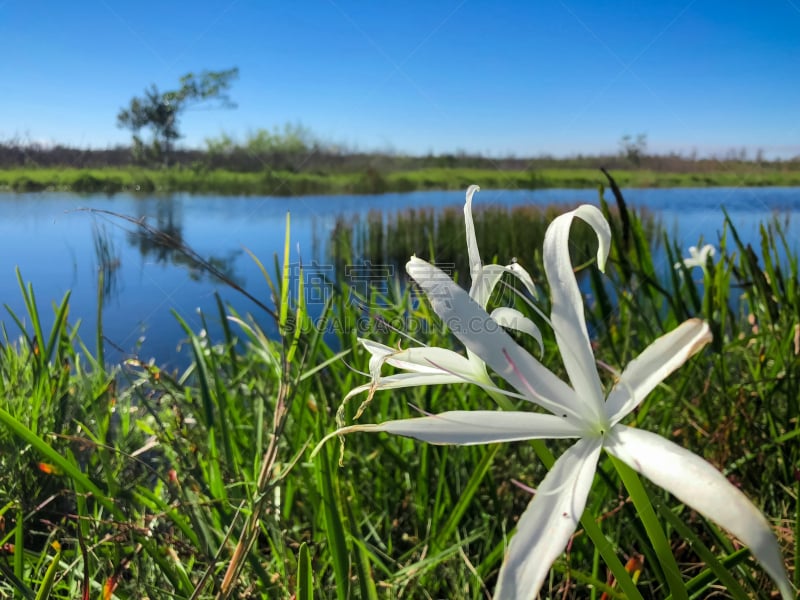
x=371, y=181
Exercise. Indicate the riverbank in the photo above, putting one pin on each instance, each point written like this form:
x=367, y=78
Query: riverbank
x=371, y=181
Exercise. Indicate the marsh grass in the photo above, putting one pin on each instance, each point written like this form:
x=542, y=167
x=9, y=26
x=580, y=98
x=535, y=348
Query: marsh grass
x=198, y=484
x=391, y=238
x=369, y=180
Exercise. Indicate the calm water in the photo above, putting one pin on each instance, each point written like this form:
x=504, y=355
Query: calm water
x=55, y=245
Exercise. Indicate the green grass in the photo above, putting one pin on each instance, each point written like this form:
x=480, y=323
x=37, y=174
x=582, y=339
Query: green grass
x=390, y=238
x=285, y=183
x=199, y=484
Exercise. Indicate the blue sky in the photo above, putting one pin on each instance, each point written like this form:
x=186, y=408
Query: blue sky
x=524, y=78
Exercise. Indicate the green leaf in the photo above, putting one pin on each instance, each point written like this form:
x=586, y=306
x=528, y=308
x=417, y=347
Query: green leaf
x=47, y=583
x=658, y=539
x=335, y=528
x=305, y=579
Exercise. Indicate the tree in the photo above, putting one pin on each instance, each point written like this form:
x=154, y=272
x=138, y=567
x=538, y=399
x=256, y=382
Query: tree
x=634, y=150
x=159, y=111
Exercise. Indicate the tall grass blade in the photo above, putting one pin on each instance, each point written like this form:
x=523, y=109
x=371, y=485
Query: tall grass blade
x=283, y=309
x=337, y=543
x=658, y=539
x=366, y=583
x=713, y=564
x=305, y=578
x=46, y=587
x=465, y=498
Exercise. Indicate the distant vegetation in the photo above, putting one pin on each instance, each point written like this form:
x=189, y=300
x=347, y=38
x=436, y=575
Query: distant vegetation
x=370, y=181
x=293, y=161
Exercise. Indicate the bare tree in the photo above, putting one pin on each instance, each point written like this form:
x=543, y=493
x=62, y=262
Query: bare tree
x=633, y=149
x=159, y=111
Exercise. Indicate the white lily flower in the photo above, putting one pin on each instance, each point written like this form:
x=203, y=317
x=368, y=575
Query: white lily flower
x=580, y=411
x=697, y=258
x=427, y=365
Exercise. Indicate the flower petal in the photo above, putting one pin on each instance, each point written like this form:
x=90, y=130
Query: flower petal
x=482, y=335
x=654, y=364
x=488, y=277
x=698, y=484
x=524, y=277
x=547, y=524
x=393, y=382
x=380, y=354
x=472, y=241
x=376, y=348
x=567, y=314
x=513, y=319
x=403, y=380
x=484, y=281
x=470, y=427
x=431, y=359
x=697, y=258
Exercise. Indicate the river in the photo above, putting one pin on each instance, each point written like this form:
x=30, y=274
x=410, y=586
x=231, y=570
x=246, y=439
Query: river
x=59, y=240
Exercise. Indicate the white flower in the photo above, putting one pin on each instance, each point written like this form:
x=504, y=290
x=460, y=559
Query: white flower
x=580, y=411
x=697, y=258
x=426, y=365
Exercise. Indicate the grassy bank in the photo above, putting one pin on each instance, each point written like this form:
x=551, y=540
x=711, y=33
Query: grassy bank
x=129, y=481
x=284, y=183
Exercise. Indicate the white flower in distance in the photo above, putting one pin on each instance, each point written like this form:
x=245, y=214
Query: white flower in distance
x=697, y=258
x=580, y=410
x=426, y=365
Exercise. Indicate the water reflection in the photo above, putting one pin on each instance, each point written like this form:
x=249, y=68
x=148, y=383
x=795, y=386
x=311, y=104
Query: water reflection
x=107, y=259
x=159, y=238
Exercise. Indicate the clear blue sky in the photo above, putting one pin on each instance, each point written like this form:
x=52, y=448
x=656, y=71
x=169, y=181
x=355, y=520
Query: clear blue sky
x=558, y=77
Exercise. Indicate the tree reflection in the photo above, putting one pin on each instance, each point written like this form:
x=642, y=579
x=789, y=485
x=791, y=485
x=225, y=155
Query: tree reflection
x=163, y=243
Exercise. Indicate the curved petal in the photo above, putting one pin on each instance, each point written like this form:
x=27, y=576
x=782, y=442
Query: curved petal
x=700, y=255
x=567, y=315
x=484, y=281
x=403, y=380
x=471, y=427
x=380, y=354
x=428, y=360
x=547, y=524
x=393, y=382
x=483, y=336
x=698, y=484
x=488, y=276
x=433, y=360
x=654, y=364
x=706, y=251
x=697, y=258
x=472, y=241
x=513, y=319
x=376, y=348
x=522, y=274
